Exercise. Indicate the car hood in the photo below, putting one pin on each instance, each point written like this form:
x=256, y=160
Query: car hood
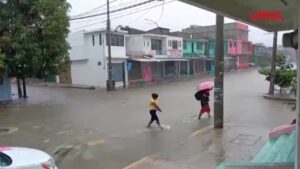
x=25, y=156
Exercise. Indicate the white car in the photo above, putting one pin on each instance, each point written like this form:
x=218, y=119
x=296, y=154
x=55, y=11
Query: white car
x=25, y=158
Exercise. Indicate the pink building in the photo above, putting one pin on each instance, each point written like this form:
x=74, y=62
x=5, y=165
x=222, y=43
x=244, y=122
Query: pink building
x=236, y=35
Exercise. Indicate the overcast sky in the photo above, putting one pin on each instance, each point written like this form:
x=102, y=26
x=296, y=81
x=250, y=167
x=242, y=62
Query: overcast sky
x=174, y=15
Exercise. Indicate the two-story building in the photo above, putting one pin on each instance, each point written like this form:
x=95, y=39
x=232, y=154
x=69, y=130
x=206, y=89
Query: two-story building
x=89, y=57
x=195, y=50
x=237, y=46
x=5, y=89
x=155, y=57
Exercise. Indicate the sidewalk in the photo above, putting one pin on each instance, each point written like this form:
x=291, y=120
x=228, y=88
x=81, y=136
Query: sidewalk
x=135, y=85
x=233, y=143
x=280, y=97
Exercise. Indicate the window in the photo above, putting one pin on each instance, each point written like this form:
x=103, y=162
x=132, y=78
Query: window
x=199, y=45
x=100, y=40
x=156, y=44
x=179, y=44
x=116, y=40
x=175, y=44
x=234, y=44
x=230, y=44
x=184, y=44
x=5, y=160
x=93, y=39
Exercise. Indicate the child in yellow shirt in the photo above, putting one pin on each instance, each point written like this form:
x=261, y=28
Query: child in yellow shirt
x=154, y=107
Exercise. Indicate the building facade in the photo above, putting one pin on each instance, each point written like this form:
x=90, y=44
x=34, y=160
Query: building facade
x=89, y=58
x=155, y=57
x=5, y=89
x=236, y=45
x=262, y=55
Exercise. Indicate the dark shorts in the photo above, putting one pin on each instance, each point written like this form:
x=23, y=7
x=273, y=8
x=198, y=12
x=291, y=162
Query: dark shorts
x=153, y=115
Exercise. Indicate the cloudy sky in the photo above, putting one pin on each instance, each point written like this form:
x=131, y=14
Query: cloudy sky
x=173, y=14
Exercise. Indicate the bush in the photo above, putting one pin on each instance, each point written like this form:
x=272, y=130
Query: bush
x=284, y=73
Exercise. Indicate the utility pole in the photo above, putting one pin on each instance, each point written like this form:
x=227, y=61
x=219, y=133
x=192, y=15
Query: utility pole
x=219, y=73
x=110, y=83
x=273, y=65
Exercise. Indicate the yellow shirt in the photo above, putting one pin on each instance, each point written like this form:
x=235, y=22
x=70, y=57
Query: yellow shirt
x=153, y=104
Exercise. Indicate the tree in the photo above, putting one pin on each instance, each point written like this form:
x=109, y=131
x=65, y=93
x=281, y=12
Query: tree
x=293, y=90
x=33, y=37
x=284, y=73
x=2, y=64
x=273, y=65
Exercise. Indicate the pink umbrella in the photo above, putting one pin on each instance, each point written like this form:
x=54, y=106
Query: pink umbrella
x=208, y=85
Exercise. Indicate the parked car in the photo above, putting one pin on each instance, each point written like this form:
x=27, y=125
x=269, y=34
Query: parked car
x=25, y=158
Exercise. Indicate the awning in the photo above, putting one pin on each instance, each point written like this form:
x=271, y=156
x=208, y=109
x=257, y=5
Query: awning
x=158, y=60
x=118, y=57
x=144, y=60
x=199, y=58
x=171, y=59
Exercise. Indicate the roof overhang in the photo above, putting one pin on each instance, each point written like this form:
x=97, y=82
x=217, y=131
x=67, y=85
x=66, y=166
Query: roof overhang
x=118, y=57
x=240, y=10
x=158, y=59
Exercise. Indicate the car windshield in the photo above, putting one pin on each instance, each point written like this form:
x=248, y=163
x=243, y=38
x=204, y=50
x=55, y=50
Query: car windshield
x=5, y=160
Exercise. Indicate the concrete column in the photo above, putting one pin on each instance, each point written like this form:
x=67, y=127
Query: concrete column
x=297, y=156
x=219, y=74
x=164, y=69
x=179, y=67
x=188, y=67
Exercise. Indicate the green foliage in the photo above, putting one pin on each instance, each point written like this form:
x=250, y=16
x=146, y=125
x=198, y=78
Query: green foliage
x=293, y=91
x=285, y=77
x=2, y=64
x=284, y=74
x=280, y=60
x=33, y=36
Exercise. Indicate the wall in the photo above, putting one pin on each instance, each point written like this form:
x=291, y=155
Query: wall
x=88, y=72
x=232, y=49
x=211, y=45
x=148, y=49
x=138, y=48
x=188, y=50
x=174, y=52
x=5, y=90
x=91, y=70
x=195, y=52
x=76, y=41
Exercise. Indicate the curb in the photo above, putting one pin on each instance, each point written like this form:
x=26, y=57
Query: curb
x=76, y=87
x=272, y=97
x=62, y=86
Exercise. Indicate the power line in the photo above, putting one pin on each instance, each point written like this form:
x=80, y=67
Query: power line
x=137, y=11
x=103, y=7
x=93, y=10
x=162, y=11
x=113, y=15
x=85, y=26
x=139, y=17
x=143, y=9
x=113, y=11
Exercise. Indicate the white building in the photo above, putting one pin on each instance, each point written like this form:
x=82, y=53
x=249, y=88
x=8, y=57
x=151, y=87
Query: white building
x=157, y=46
x=89, y=57
x=155, y=57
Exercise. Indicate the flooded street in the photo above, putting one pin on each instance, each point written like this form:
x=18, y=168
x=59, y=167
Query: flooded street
x=95, y=129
